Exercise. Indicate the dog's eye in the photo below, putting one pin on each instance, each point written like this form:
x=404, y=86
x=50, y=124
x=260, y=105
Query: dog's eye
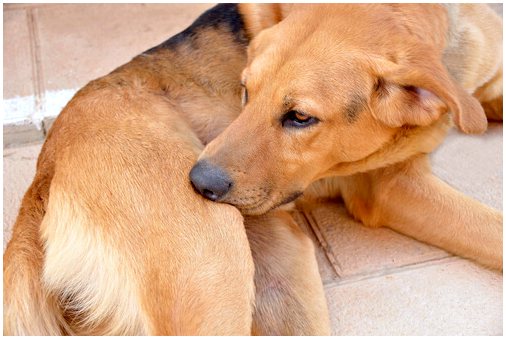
x=244, y=98
x=297, y=119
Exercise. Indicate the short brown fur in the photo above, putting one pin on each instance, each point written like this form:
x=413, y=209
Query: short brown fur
x=413, y=64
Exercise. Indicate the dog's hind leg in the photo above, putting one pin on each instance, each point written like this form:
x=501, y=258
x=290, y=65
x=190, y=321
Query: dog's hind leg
x=490, y=97
x=485, y=27
x=481, y=31
x=289, y=294
x=28, y=308
x=130, y=248
x=408, y=198
x=474, y=53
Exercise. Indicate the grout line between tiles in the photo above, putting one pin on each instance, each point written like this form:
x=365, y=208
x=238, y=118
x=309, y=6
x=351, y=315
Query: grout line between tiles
x=35, y=54
x=336, y=267
x=389, y=271
x=303, y=223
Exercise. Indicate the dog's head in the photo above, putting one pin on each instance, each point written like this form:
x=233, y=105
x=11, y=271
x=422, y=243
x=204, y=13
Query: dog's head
x=324, y=86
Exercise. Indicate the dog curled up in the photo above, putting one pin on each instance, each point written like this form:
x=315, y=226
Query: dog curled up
x=112, y=239
x=348, y=100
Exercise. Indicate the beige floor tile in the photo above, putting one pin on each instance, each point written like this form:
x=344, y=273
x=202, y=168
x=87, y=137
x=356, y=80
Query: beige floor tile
x=19, y=170
x=18, y=69
x=358, y=250
x=473, y=164
x=454, y=298
x=80, y=42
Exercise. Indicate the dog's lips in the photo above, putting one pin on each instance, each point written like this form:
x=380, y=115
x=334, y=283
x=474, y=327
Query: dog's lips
x=265, y=205
x=245, y=207
x=262, y=209
x=288, y=199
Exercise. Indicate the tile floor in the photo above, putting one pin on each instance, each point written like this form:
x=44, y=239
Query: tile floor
x=377, y=281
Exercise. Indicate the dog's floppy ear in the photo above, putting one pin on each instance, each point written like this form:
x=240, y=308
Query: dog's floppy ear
x=419, y=91
x=258, y=17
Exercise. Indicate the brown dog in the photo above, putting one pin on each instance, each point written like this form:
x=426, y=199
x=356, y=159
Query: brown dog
x=112, y=239
x=347, y=100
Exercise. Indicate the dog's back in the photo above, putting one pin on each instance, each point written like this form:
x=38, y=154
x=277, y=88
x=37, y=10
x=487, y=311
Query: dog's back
x=111, y=211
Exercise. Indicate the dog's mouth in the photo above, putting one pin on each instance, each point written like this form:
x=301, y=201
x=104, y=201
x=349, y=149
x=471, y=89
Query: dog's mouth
x=263, y=204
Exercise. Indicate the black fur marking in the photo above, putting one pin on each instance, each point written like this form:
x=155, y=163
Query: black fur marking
x=354, y=108
x=220, y=16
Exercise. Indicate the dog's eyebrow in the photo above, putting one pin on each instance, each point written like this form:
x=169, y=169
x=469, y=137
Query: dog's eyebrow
x=354, y=107
x=287, y=101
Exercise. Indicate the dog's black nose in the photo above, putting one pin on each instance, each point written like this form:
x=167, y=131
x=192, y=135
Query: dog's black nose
x=210, y=181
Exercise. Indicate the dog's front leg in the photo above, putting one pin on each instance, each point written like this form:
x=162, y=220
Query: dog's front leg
x=289, y=296
x=408, y=198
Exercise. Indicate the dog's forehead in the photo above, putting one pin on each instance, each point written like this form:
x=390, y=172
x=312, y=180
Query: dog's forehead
x=321, y=66
x=263, y=66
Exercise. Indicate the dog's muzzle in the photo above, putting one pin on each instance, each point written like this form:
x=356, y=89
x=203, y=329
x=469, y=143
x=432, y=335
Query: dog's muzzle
x=210, y=181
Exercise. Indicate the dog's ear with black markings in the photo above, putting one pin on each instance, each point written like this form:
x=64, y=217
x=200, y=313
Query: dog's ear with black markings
x=258, y=17
x=418, y=90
